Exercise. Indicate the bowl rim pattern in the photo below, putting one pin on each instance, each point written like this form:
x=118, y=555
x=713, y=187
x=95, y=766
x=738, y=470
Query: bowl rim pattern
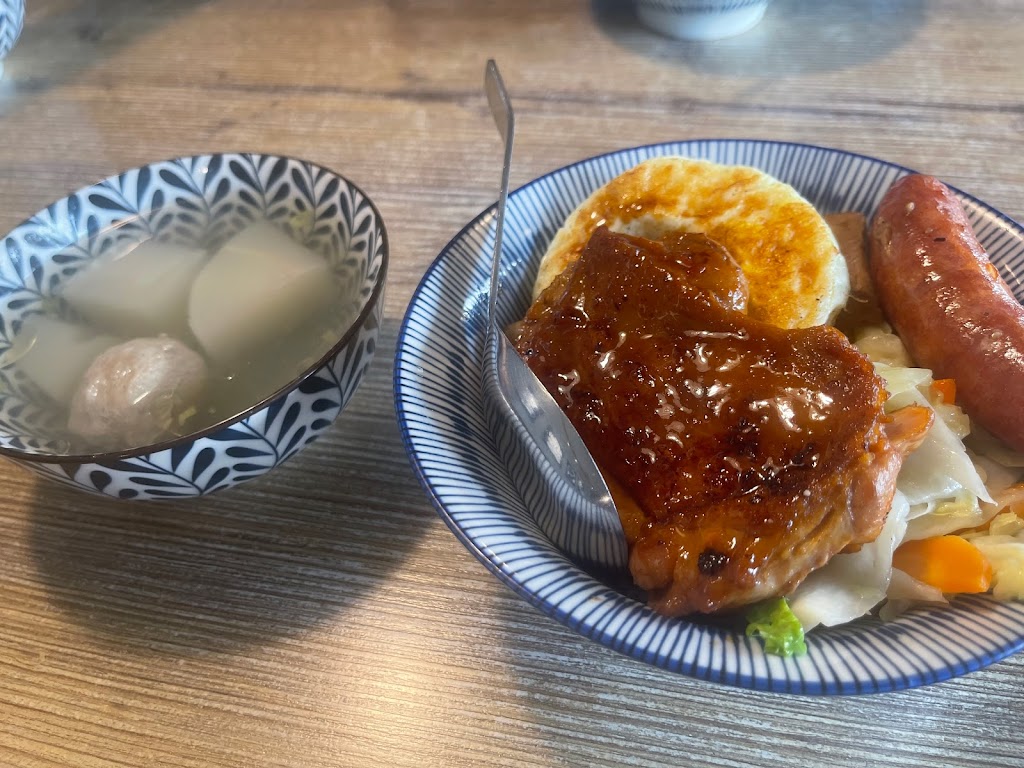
x=354, y=327
x=849, y=661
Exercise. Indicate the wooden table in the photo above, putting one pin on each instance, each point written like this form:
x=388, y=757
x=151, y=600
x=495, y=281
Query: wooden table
x=324, y=616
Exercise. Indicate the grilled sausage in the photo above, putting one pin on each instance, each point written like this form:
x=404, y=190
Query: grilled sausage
x=948, y=303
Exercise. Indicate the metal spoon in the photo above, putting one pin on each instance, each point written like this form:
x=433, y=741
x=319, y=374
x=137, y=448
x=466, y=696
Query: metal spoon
x=579, y=515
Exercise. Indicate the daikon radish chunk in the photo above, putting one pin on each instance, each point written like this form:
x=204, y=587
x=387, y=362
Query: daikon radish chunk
x=258, y=287
x=141, y=290
x=134, y=393
x=54, y=354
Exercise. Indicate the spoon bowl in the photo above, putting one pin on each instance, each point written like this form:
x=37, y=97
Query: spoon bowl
x=583, y=522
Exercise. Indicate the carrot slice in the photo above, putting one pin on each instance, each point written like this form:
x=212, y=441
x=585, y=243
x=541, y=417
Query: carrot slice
x=945, y=390
x=949, y=563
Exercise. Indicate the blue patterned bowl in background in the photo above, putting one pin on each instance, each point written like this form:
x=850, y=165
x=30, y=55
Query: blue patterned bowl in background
x=195, y=200
x=12, y=17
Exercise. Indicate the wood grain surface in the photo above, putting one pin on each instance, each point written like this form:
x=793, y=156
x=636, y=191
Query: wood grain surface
x=324, y=616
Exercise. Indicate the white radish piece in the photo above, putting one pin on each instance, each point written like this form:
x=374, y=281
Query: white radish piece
x=258, y=287
x=140, y=291
x=54, y=354
x=132, y=394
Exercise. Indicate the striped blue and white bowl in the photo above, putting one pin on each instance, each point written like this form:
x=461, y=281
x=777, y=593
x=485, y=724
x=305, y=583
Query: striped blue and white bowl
x=479, y=489
x=201, y=200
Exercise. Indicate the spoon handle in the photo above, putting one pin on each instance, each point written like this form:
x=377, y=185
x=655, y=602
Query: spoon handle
x=579, y=514
x=505, y=120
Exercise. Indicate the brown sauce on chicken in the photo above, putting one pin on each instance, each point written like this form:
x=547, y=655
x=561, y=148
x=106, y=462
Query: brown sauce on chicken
x=743, y=455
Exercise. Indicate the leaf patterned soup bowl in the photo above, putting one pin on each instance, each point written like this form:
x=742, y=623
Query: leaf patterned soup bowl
x=198, y=202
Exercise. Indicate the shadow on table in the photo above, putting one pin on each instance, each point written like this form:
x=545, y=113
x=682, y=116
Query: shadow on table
x=795, y=37
x=265, y=560
x=62, y=39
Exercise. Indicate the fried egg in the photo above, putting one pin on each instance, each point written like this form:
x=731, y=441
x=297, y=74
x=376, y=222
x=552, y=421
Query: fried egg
x=797, y=275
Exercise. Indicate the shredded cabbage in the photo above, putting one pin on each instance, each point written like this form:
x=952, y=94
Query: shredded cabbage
x=952, y=416
x=881, y=345
x=941, y=489
x=850, y=585
x=949, y=516
x=905, y=592
x=940, y=468
x=1009, y=497
x=998, y=477
x=987, y=445
x=1003, y=546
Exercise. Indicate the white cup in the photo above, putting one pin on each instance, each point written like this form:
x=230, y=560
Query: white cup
x=12, y=18
x=700, y=19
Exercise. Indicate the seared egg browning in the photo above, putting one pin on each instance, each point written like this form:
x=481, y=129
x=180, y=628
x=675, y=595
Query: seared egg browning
x=797, y=275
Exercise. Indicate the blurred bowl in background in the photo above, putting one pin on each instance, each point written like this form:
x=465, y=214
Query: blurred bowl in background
x=201, y=201
x=700, y=19
x=12, y=18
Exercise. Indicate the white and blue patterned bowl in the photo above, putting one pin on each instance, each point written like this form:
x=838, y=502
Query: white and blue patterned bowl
x=12, y=19
x=202, y=199
x=700, y=19
x=479, y=490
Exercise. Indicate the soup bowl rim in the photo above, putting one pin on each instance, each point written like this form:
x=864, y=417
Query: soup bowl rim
x=371, y=301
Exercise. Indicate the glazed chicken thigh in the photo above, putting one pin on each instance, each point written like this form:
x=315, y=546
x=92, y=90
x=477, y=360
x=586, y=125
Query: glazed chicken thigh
x=742, y=455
